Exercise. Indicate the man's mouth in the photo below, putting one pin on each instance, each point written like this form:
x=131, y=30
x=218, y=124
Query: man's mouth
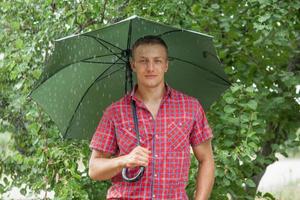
x=150, y=76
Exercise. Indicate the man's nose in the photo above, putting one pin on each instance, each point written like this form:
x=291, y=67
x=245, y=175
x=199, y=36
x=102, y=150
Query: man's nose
x=150, y=66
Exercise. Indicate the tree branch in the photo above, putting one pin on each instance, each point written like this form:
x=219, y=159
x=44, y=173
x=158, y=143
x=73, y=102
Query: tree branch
x=103, y=11
x=93, y=21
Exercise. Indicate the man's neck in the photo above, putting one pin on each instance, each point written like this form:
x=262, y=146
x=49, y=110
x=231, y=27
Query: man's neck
x=150, y=95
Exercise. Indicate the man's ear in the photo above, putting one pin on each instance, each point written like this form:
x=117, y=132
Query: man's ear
x=167, y=66
x=132, y=64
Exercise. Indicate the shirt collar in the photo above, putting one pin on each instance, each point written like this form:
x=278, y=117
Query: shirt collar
x=167, y=93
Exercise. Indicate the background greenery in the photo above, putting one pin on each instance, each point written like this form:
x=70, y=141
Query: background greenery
x=258, y=44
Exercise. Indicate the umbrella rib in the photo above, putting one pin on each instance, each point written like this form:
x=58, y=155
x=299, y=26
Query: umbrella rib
x=97, y=79
x=203, y=68
x=167, y=32
x=67, y=65
x=103, y=77
x=100, y=41
x=96, y=38
x=102, y=62
x=101, y=56
x=111, y=50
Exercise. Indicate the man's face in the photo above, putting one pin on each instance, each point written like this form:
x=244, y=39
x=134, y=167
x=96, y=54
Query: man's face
x=150, y=63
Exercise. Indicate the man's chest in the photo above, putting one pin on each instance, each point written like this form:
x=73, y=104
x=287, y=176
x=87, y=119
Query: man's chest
x=169, y=131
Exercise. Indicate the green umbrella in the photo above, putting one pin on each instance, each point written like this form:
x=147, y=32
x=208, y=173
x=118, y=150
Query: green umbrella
x=89, y=71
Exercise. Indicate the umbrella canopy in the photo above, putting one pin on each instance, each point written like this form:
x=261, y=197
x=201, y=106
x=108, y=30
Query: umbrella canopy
x=89, y=71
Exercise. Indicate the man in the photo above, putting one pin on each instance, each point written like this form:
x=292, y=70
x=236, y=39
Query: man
x=169, y=122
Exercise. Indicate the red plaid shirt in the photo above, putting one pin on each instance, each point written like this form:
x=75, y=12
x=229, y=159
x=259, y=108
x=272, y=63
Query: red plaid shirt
x=180, y=122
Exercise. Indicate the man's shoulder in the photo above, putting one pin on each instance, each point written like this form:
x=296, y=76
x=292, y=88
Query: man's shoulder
x=181, y=96
x=123, y=101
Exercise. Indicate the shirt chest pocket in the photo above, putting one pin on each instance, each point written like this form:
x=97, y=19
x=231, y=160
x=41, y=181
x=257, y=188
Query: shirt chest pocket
x=126, y=139
x=179, y=135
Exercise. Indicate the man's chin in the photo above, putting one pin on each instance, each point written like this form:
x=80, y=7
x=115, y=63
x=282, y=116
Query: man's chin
x=151, y=84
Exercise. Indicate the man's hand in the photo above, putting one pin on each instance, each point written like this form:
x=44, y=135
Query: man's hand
x=103, y=167
x=139, y=156
x=205, y=176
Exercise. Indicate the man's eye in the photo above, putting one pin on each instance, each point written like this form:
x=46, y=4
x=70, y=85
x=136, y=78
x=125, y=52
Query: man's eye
x=158, y=61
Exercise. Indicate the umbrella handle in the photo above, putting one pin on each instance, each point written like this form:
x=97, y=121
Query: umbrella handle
x=135, y=178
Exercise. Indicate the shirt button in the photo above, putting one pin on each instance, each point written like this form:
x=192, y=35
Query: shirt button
x=155, y=175
x=150, y=118
x=153, y=196
x=180, y=124
x=156, y=156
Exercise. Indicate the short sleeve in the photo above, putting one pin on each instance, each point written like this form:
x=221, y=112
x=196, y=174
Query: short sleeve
x=104, y=138
x=201, y=130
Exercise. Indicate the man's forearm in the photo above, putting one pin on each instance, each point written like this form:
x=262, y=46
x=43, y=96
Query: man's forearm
x=205, y=179
x=105, y=168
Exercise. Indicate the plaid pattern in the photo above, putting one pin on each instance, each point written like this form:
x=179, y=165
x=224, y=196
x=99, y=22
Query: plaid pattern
x=180, y=122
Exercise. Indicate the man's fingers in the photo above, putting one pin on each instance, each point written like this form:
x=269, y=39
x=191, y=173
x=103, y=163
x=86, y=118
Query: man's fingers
x=143, y=154
x=139, y=156
x=138, y=161
x=139, y=148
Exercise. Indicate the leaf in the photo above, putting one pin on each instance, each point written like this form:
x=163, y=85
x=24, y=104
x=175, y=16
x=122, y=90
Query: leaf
x=229, y=100
x=229, y=109
x=253, y=145
x=19, y=85
x=5, y=180
x=250, y=183
x=228, y=143
x=252, y=104
x=19, y=44
x=244, y=118
x=215, y=6
x=264, y=17
x=235, y=88
x=36, y=73
x=269, y=196
x=15, y=25
x=23, y=191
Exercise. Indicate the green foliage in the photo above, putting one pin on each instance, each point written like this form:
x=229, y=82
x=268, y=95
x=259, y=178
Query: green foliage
x=257, y=41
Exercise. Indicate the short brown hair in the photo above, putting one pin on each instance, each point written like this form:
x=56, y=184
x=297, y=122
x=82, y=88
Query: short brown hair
x=149, y=39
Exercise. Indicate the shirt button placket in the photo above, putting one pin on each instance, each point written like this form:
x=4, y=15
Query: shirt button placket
x=154, y=175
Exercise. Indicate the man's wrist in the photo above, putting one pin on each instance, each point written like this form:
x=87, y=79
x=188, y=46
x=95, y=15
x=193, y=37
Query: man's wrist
x=121, y=162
